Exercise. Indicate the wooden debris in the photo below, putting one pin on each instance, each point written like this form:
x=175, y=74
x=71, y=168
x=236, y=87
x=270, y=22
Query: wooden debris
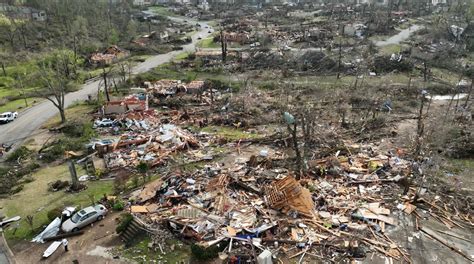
x=287, y=194
x=445, y=242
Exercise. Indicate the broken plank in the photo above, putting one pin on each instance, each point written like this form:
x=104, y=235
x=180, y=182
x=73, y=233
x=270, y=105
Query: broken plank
x=445, y=242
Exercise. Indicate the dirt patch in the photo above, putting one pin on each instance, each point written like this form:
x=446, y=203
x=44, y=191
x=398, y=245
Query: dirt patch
x=90, y=247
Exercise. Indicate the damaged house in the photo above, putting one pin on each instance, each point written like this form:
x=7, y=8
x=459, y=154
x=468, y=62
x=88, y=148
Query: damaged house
x=109, y=55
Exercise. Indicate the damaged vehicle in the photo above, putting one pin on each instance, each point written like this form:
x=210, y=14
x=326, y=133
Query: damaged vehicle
x=84, y=217
x=106, y=122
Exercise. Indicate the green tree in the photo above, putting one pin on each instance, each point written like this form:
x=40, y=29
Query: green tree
x=79, y=32
x=132, y=29
x=113, y=37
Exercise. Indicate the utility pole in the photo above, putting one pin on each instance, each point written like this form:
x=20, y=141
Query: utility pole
x=72, y=171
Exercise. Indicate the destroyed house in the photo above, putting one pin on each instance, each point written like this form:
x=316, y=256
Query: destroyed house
x=172, y=87
x=163, y=87
x=125, y=105
x=147, y=39
x=194, y=87
x=109, y=55
x=241, y=38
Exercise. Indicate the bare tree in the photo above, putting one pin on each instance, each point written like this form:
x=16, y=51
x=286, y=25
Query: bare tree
x=56, y=77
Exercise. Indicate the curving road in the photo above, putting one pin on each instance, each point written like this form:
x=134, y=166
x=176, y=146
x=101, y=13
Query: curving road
x=32, y=118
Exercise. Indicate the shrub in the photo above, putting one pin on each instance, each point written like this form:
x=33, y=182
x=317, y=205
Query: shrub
x=53, y=213
x=125, y=220
x=142, y=167
x=204, y=254
x=118, y=206
x=19, y=153
x=77, y=129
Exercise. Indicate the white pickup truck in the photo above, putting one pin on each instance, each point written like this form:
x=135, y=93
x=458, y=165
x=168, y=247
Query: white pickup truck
x=8, y=117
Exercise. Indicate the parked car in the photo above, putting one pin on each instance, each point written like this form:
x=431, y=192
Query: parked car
x=8, y=117
x=84, y=217
x=106, y=122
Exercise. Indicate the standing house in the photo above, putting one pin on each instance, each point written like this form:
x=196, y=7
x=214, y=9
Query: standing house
x=23, y=12
x=438, y=2
x=142, y=3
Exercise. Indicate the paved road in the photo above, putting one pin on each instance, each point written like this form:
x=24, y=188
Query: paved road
x=31, y=119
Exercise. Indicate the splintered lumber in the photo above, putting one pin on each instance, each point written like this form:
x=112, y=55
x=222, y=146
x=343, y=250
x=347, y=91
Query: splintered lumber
x=138, y=209
x=150, y=190
x=445, y=242
x=287, y=194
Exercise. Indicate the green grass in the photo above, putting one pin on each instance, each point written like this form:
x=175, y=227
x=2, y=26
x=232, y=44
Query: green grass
x=390, y=49
x=208, y=43
x=229, y=133
x=162, y=10
x=142, y=254
x=18, y=104
x=76, y=112
x=36, y=200
x=182, y=56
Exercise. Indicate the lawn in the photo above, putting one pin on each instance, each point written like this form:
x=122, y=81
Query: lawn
x=142, y=254
x=18, y=104
x=208, y=43
x=36, y=200
x=233, y=134
x=76, y=112
x=390, y=49
x=181, y=56
x=162, y=10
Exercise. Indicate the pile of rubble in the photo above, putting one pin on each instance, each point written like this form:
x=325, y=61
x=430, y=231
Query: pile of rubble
x=171, y=87
x=153, y=147
x=262, y=211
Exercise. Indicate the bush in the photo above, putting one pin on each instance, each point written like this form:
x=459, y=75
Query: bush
x=19, y=153
x=56, y=149
x=125, y=220
x=9, y=178
x=205, y=254
x=77, y=129
x=55, y=212
x=118, y=206
x=383, y=64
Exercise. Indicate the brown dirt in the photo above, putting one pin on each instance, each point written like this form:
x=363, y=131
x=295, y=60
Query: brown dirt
x=86, y=248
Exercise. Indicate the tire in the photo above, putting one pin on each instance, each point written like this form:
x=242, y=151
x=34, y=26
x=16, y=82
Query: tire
x=75, y=229
x=100, y=217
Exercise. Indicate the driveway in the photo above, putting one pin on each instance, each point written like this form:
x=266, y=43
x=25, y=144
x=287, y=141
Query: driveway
x=91, y=247
x=32, y=118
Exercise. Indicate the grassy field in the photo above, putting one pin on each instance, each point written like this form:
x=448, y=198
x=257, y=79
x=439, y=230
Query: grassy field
x=18, y=104
x=76, y=112
x=390, y=49
x=228, y=133
x=162, y=10
x=142, y=254
x=181, y=56
x=208, y=43
x=36, y=200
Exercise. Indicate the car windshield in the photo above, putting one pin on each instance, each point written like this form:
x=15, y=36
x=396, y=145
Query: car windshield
x=77, y=216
